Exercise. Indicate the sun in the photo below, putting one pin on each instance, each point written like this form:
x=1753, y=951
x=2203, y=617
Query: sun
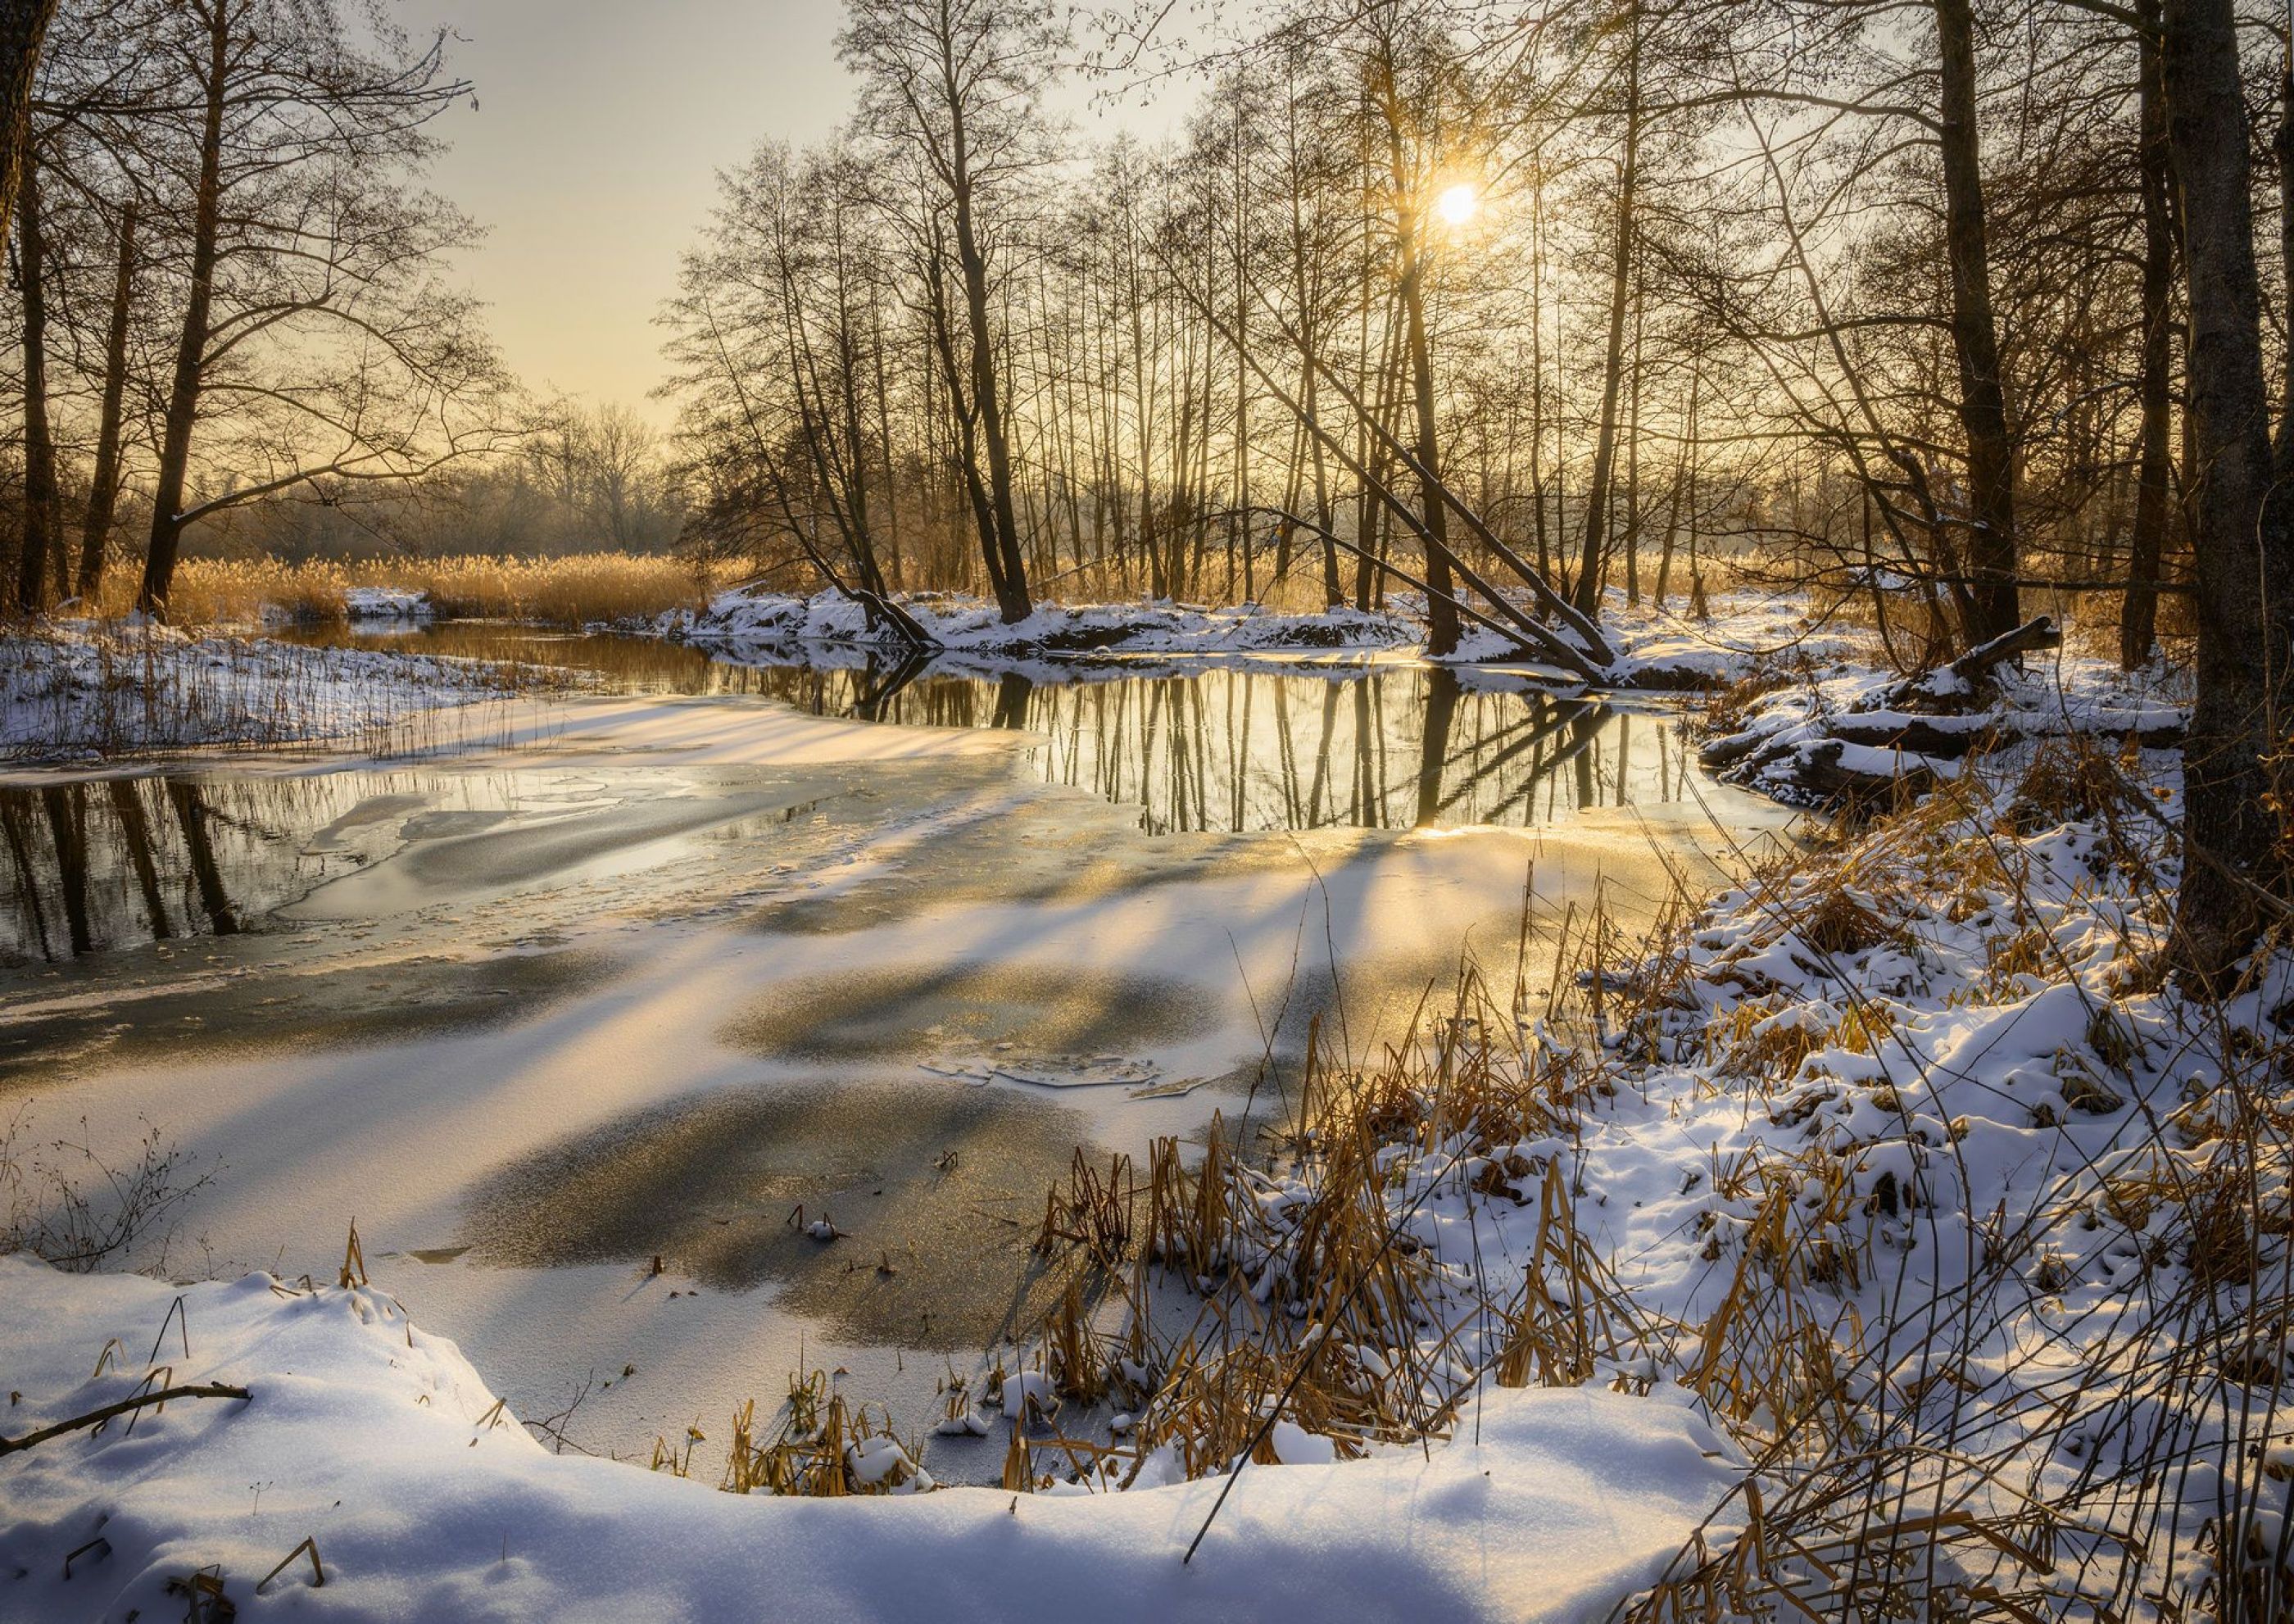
x=1458, y=204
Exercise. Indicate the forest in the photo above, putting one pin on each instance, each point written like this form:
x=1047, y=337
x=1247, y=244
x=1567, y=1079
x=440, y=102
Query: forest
x=1530, y=755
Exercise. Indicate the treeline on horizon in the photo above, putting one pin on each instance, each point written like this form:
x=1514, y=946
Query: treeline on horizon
x=1639, y=283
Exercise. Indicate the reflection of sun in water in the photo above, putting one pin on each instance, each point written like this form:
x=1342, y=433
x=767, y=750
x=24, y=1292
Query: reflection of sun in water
x=1457, y=205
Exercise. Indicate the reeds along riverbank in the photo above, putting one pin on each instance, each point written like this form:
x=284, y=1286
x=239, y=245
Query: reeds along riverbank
x=575, y=589
x=1902, y=1163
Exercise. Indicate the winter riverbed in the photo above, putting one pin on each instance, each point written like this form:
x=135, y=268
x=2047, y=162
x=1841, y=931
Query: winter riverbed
x=596, y=1015
x=640, y=976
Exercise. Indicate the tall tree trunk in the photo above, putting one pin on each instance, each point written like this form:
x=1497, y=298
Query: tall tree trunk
x=44, y=518
x=2138, y=612
x=23, y=28
x=1587, y=594
x=1632, y=539
x=1991, y=549
x=191, y=349
x=2245, y=555
x=1682, y=473
x=1441, y=610
x=103, y=483
x=1012, y=583
x=2282, y=145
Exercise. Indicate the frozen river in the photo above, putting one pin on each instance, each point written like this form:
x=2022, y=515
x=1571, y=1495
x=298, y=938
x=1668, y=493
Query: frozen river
x=640, y=975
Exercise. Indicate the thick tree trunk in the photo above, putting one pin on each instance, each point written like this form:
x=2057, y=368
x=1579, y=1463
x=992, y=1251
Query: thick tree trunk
x=191, y=349
x=2138, y=612
x=44, y=518
x=103, y=483
x=1991, y=550
x=2233, y=872
x=23, y=30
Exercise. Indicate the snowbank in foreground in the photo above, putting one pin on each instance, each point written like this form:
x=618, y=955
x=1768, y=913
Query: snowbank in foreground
x=373, y=1439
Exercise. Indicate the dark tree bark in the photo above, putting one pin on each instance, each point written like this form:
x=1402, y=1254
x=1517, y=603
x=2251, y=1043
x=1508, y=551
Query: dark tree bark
x=2282, y=145
x=2235, y=878
x=2139, y=610
x=191, y=350
x=1991, y=549
x=44, y=519
x=103, y=482
x=987, y=398
x=23, y=30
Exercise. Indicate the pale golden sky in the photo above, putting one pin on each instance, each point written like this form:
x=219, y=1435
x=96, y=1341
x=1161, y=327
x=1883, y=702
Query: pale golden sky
x=593, y=153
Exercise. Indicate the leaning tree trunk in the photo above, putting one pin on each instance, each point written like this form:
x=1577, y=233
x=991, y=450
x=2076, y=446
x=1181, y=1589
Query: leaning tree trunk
x=103, y=483
x=190, y=348
x=2138, y=612
x=2235, y=878
x=1991, y=550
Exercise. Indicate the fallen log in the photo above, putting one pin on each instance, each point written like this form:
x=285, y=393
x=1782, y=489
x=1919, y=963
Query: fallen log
x=1960, y=681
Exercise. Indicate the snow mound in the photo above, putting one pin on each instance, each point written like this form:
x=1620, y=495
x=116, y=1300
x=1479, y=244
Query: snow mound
x=383, y=1446
x=386, y=603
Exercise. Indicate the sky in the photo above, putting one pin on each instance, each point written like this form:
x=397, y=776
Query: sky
x=592, y=155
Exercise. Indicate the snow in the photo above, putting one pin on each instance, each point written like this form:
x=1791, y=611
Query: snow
x=1909, y=1086
x=382, y=1445
x=971, y=627
x=77, y=689
x=1655, y=647
x=387, y=603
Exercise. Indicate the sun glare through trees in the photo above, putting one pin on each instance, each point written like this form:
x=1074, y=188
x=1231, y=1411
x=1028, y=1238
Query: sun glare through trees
x=1323, y=808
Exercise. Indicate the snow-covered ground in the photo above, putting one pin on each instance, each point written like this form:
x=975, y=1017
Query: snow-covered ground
x=387, y=603
x=1656, y=648
x=1879, y=725
x=1895, y=1162
x=379, y=1444
x=80, y=689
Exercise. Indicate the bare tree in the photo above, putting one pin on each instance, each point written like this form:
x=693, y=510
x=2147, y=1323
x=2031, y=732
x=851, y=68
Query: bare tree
x=316, y=336
x=955, y=83
x=2234, y=879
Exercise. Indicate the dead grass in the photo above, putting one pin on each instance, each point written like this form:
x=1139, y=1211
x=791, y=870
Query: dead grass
x=573, y=591
x=1910, y=1465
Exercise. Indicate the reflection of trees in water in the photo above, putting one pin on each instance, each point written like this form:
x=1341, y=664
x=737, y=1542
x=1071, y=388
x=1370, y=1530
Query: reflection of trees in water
x=85, y=870
x=1256, y=750
x=97, y=865
x=100, y=864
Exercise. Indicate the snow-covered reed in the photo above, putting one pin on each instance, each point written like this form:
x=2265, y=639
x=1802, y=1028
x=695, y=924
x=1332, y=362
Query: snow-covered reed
x=86, y=689
x=1906, y=1162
